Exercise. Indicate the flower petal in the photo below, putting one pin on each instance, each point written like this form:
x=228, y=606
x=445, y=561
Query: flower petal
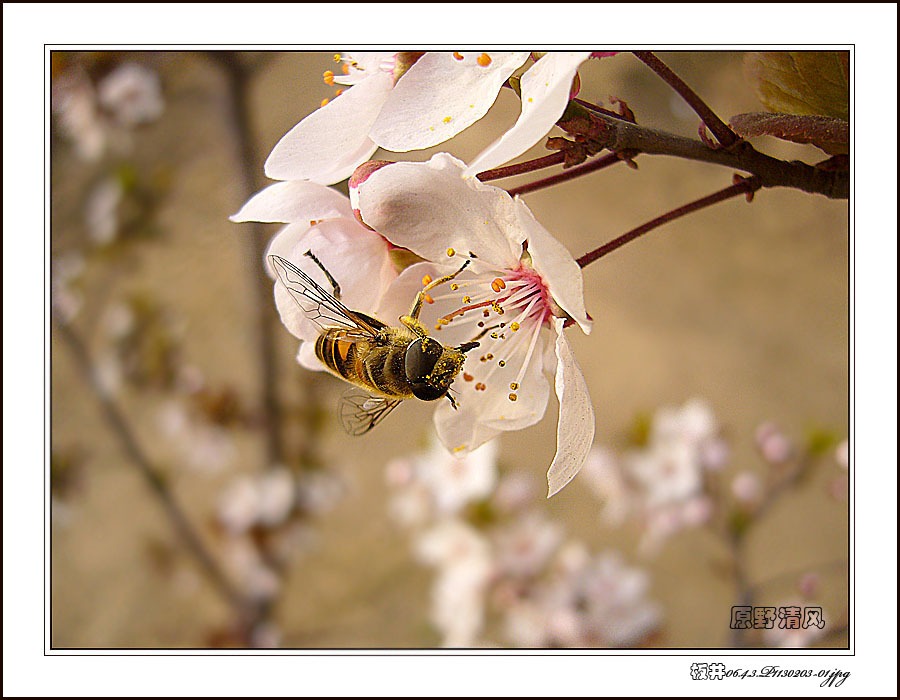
x=428, y=208
x=575, y=431
x=326, y=146
x=545, y=94
x=557, y=266
x=439, y=96
x=460, y=431
x=296, y=200
x=357, y=258
x=306, y=357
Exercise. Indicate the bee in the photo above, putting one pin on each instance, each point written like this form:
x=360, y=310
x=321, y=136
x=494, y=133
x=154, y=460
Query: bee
x=386, y=364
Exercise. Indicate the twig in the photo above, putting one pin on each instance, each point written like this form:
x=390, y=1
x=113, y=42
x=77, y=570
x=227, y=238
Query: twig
x=719, y=128
x=238, y=109
x=521, y=168
x=744, y=186
x=152, y=476
x=570, y=174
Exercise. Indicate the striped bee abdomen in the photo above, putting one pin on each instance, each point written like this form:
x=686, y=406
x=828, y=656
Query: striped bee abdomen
x=377, y=368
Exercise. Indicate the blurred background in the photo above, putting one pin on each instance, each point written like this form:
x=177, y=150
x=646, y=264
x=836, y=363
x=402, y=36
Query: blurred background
x=179, y=412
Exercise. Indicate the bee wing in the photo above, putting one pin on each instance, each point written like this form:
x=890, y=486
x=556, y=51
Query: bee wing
x=319, y=306
x=360, y=411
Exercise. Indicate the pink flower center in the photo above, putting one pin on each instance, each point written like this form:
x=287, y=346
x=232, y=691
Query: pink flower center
x=506, y=310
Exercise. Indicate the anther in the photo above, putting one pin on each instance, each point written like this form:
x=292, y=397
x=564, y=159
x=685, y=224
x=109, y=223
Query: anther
x=426, y=280
x=514, y=326
x=513, y=385
x=457, y=55
x=454, y=286
x=480, y=387
x=428, y=299
x=337, y=58
x=489, y=356
x=324, y=102
x=513, y=397
x=467, y=300
x=498, y=284
x=328, y=77
x=486, y=313
x=484, y=60
x=468, y=377
x=450, y=252
x=495, y=335
x=502, y=363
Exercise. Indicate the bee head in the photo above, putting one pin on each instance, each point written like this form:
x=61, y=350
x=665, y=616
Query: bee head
x=431, y=368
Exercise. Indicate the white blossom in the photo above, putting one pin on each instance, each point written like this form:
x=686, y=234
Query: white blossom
x=519, y=281
x=399, y=101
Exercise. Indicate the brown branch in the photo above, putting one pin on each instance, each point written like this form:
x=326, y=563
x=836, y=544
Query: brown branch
x=621, y=136
x=151, y=475
x=238, y=113
x=719, y=128
x=743, y=187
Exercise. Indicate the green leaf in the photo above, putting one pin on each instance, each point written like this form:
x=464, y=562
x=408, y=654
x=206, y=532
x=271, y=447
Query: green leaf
x=801, y=82
x=830, y=134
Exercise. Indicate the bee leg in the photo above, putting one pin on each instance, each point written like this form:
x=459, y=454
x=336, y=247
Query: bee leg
x=420, y=297
x=334, y=285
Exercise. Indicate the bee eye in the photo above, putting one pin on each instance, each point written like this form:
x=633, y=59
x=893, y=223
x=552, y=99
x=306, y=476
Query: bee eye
x=421, y=357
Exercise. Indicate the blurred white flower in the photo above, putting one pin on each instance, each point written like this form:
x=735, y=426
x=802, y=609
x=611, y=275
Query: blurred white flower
x=746, y=487
x=517, y=271
x=101, y=211
x=773, y=444
x=524, y=547
x=99, y=119
x=617, y=613
x=462, y=557
x=842, y=455
x=75, y=105
x=604, y=477
x=66, y=270
x=599, y=602
x=515, y=491
x=200, y=445
x=800, y=638
x=433, y=483
x=131, y=93
x=264, y=499
x=666, y=473
x=399, y=101
x=319, y=491
x=252, y=575
x=456, y=480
